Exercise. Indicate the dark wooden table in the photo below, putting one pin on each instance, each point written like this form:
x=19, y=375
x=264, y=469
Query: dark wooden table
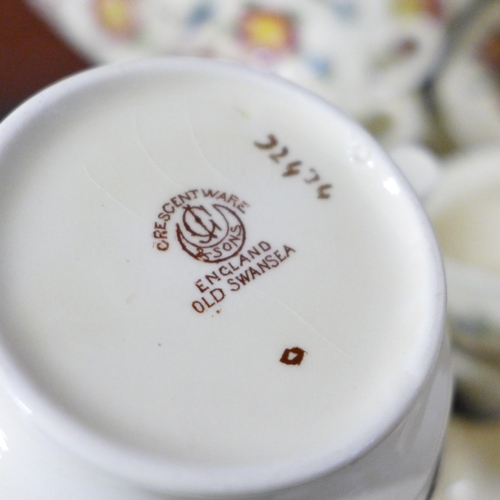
x=31, y=55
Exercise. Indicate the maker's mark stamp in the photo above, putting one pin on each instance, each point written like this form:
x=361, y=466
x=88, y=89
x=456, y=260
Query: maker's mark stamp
x=293, y=356
x=210, y=233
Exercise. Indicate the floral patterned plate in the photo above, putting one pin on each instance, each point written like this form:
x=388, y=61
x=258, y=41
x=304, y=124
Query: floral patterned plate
x=370, y=58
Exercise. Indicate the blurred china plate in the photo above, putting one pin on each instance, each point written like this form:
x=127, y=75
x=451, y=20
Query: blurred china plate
x=477, y=384
x=471, y=464
x=368, y=57
x=467, y=91
x=465, y=209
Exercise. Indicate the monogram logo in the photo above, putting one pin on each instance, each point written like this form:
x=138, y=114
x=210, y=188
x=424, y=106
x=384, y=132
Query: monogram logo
x=210, y=233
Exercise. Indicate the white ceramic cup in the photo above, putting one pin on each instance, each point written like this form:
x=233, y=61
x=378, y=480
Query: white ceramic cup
x=213, y=285
x=464, y=207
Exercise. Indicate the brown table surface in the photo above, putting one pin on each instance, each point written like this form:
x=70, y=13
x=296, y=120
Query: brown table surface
x=31, y=55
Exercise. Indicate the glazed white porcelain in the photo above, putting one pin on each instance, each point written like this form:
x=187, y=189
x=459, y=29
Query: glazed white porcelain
x=471, y=462
x=214, y=284
x=33, y=466
x=464, y=207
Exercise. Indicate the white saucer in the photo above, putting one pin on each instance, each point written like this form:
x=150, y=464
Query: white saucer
x=471, y=461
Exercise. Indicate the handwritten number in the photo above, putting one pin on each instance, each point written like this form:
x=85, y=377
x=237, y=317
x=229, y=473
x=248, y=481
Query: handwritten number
x=321, y=191
x=273, y=142
x=277, y=156
x=313, y=179
x=270, y=145
x=292, y=169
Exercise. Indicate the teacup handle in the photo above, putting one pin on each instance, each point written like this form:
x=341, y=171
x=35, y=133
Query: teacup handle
x=420, y=167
